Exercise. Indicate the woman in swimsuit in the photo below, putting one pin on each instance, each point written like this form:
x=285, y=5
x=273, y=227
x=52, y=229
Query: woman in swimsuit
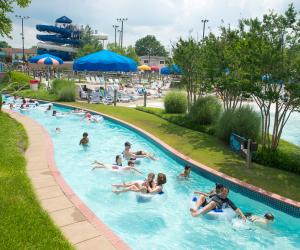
x=137, y=186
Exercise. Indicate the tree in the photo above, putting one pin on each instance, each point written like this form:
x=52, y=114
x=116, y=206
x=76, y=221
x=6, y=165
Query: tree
x=125, y=51
x=222, y=64
x=88, y=42
x=4, y=44
x=149, y=45
x=6, y=7
x=186, y=55
x=272, y=61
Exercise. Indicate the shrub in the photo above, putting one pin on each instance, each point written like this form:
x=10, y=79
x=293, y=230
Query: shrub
x=64, y=89
x=243, y=121
x=175, y=102
x=278, y=159
x=67, y=94
x=15, y=80
x=206, y=110
x=58, y=85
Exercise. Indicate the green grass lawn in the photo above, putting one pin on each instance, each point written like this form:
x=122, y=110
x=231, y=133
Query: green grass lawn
x=24, y=225
x=206, y=149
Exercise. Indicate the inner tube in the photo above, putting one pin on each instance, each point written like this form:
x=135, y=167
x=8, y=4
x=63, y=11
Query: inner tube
x=217, y=214
x=144, y=197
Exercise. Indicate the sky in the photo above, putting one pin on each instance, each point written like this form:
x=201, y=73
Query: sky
x=168, y=20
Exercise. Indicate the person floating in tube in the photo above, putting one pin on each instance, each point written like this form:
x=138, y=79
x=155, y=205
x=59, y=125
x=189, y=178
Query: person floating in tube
x=216, y=202
x=129, y=155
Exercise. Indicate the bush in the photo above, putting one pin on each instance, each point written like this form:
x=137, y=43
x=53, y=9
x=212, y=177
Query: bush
x=286, y=160
x=175, y=102
x=205, y=111
x=243, y=121
x=15, y=80
x=67, y=94
x=64, y=89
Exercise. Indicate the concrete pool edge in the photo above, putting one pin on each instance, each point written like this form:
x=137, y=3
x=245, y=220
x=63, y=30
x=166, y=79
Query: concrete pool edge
x=277, y=201
x=76, y=221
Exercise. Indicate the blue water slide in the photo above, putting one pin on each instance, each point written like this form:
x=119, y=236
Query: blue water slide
x=57, y=39
x=50, y=28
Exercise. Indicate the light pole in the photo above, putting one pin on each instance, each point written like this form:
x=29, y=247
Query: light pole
x=115, y=27
x=122, y=20
x=204, y=21
x=22, y=34
x=120, y=36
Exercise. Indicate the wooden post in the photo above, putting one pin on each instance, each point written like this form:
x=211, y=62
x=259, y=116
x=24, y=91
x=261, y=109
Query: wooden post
x=115, y=97
x=248, y=155
x=145, y=99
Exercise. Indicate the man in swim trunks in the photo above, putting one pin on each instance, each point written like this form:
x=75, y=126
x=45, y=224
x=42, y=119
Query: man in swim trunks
x=217, y=201
x=128, y=155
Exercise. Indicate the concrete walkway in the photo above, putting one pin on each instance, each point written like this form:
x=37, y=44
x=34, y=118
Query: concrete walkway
x=80, y=226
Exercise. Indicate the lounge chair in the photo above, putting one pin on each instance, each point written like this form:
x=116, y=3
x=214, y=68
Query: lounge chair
x=95, y=97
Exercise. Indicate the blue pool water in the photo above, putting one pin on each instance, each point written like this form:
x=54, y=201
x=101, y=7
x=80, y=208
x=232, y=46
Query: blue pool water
x=165, y=222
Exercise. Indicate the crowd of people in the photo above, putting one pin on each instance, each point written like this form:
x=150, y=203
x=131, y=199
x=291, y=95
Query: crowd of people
x=216, y=200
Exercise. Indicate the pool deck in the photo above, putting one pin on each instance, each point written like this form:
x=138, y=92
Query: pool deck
x=77, y=222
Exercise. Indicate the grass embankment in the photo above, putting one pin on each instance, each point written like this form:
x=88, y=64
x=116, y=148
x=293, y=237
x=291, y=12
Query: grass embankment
x=24, y=225
x=206, y=149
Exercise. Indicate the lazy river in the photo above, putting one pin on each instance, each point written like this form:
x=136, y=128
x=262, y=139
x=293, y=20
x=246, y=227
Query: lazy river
x=165, y=222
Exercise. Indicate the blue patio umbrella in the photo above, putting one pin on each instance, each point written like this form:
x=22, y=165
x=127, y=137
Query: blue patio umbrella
x=175, y=69
x=105, y=60
x=46, y=59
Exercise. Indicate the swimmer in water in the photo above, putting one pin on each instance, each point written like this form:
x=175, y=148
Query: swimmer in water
x=186, y=173
x=140, y=185
x=57, y=130
x=85, y=139
x=129, y=155
x=268, y=217
x=116, y=167
x=118, y=162
x=136, y=186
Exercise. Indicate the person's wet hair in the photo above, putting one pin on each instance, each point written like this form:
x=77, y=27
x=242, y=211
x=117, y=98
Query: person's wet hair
x=130, y=163
x=219, y=186
x=85, y=134
x=269, y=216
x=117, y=157
x=161, y=179
x=187, y=167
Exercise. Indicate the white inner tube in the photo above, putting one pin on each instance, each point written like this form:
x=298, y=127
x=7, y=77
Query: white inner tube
x=217, y=214
x=145, y=197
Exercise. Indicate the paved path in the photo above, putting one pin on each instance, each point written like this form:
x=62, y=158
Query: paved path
x=80, y=226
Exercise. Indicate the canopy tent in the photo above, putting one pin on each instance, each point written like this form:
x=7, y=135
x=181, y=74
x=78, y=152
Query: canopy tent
x=175, y=69
x=144, y=67
x=105, y=60
x=46, y=59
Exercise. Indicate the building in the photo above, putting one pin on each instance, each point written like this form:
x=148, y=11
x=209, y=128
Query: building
x=15, y=54
x=159, y=61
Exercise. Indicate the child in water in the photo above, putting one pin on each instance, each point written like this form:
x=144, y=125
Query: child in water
x=85, y=139
x=186, y=173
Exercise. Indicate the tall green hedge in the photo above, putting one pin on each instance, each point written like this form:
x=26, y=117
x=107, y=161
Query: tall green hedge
x=243, y=121
x=64, y=89
x=175, y=102
x=205, y=111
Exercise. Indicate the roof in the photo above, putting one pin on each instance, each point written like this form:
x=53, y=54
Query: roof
x=10, y=51
x=63, y=19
